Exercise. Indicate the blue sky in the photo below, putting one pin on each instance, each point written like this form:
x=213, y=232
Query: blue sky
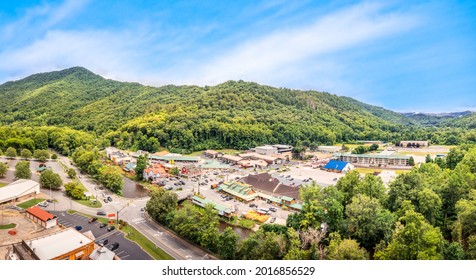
x=402, y=55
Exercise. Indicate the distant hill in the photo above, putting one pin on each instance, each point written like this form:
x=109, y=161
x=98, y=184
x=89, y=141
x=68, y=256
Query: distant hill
x=435, y=118
x=234, y=114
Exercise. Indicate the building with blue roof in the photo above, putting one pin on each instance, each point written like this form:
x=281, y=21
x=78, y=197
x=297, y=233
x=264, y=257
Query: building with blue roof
x=338, y=166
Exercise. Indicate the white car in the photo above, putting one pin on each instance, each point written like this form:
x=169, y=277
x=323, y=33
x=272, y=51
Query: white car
x=43, y=204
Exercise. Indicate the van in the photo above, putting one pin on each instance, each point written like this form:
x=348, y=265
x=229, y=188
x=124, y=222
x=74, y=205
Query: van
x=265, y=210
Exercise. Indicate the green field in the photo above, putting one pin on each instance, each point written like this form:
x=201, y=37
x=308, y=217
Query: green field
x=3, y=185
x=30, y=203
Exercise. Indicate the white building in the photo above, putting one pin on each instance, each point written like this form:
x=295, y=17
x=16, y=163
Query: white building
x=22, y=188
x=266, y=150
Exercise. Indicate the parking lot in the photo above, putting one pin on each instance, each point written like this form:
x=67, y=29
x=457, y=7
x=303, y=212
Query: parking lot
x=127, y=249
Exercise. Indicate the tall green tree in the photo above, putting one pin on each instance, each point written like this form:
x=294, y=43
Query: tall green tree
x=405, y=187
x=141, y=165
x=429, y=205
x=11, y=152
x=228, y=244
x=347, y=249
x=25, y=153
x=41, y=155
x=22, y=170
x=49, y=179
x=160, y=204
x=293, y=251
x=372, y=186
x=368, y=222
x=413, y=239
x=348, y=184
x=71, y=173
x=111, y=179
x=3, y=169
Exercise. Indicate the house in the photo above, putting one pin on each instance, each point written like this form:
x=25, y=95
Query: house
x=154, y=172
x=338, y=166
x=266, y=150
x=266, y=184
x=231, y=159
x=40, y=216
x=253, y=163
x=130, y=167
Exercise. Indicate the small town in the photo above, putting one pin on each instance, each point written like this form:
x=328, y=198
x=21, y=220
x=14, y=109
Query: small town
x=247, y=189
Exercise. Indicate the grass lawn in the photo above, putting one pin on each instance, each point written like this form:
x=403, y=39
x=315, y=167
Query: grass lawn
x=89, y=203
x=3, y=184
x=145, y=244
x=367, y=170
x=29, y=203
x=9, y=226
x=398, y=172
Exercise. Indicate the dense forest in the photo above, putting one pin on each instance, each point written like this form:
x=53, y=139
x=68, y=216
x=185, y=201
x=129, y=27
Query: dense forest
x=234, y=114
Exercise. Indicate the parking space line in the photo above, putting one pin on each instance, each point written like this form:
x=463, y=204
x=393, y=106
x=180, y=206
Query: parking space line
x=125, y=256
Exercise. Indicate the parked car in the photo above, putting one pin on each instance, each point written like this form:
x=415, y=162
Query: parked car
x=273, y=219
x=43, y=204
x=92, y=220
x=103, y=225
x=102, y=242
x=252, y=205
x=49, y=200
x=101, y=213
x=111, y=228
x=114, y=246
x=182, y=182
x=142, y=209
x=104, y=195
x=78, y=227
x=272, y=209
x=169, y=188
x=109, y=198
x=106, y=201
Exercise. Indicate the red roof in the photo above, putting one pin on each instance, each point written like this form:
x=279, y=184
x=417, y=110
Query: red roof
x=40, y=213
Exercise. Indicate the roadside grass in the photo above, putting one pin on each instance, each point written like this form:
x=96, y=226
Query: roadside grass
x=30, y=203
x=3, y=185
x=8, y=226
x=89, y=203
x=147, y=245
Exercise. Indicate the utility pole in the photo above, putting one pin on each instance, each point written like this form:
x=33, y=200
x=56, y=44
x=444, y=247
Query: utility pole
x=117, y=213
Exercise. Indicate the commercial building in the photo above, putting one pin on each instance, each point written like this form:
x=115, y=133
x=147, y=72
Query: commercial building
x=20, y=189
x=328, y=149
x=222, y=210
x=40, y=216
x=373, y=160
x=212, y=154
x=266, y=150
x=231, y=159
x=241, y=191
x=414, y=144
x=68, y=244
x=338, y=166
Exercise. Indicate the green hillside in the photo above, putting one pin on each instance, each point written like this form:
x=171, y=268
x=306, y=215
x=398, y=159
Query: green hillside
x=234, y=114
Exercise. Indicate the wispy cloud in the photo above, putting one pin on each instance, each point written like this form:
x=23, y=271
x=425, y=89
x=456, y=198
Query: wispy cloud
x=272, y=56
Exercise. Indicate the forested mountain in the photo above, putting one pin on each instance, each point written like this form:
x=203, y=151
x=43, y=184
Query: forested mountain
x=234, y=114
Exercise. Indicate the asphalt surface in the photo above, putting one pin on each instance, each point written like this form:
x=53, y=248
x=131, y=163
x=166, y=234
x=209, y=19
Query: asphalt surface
x=127, y=250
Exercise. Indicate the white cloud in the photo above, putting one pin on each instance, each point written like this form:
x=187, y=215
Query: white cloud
x=271, y=57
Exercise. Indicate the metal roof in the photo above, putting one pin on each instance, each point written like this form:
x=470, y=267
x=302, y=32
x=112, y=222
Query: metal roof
x=336, y=165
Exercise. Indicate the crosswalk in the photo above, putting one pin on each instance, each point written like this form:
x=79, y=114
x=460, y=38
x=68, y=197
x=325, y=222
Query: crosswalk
x=138, y=220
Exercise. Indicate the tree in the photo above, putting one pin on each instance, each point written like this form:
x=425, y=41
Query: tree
x=49, y=179
x=454, y=156
x=368, y=222
x=294, y=251
x=26, y=154
x=413, y=239
x=41, y=155
x=141, y=165
x=74, y=190
x=174, y=171
x=3, y=169
x=22, y=170
x=466, y=213
x=428, y=159
x=209, y=233
x=111, y=179
x=453, y=251
x=11, y=152
x=347, y=249
x=71, y=173
x=227, y=244
x=348, y=184
x=160, y=204
x=54, y=156
x=429, y=205
x=405, y=187
x=411, y=161
x=372, y=186
x=471, y=250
